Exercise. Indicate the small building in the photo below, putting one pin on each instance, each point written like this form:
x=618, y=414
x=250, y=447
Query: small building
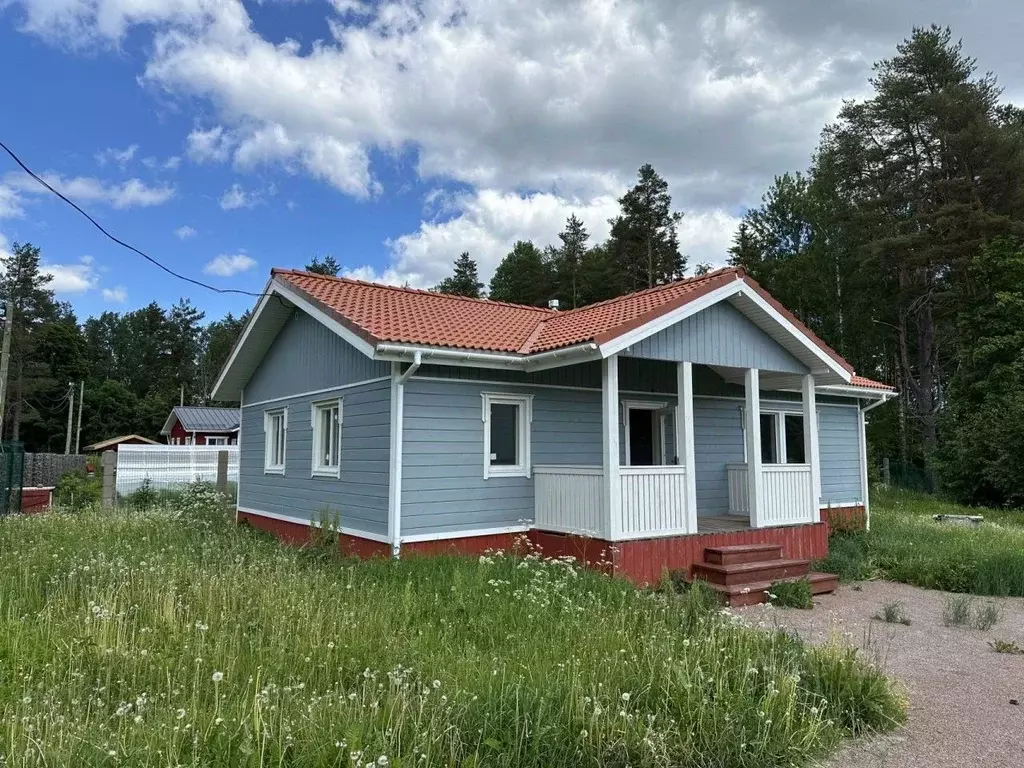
x=199, y=425
x=644, y=431
x=113, y=443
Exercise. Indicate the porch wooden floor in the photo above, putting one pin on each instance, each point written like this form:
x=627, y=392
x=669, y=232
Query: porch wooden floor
x=722, y=523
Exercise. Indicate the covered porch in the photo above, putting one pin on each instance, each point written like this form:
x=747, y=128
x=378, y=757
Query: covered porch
x=646, y=485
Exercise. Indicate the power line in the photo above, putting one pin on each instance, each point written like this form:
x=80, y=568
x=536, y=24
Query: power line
x=122, y=243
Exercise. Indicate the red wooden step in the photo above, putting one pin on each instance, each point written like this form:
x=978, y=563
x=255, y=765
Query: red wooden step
x=742, y=553
x=747, y=573
x=737, y=595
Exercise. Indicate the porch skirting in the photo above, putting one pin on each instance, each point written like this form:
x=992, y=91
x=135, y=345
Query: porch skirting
x=849, y=518
x=640, y=560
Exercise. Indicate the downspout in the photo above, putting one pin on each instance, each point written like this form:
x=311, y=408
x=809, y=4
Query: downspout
x=863, y=440
x=397, y=416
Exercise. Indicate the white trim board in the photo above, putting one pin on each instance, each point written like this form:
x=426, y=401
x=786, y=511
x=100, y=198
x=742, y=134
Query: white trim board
x=314, y=392
x=315, y=523
x=473, y=533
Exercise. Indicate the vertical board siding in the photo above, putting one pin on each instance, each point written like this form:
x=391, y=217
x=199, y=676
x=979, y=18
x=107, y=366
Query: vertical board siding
x=718, y=441
x=307, y=356
x=568, y=500
x=719, y=335
x=653, y=502
x=359, y=497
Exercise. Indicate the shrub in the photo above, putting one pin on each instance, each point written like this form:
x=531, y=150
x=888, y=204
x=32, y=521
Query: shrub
x=957, y=610
x=893, y=612
x=143, y=498
x=791, y=594
x=76, y=490
x=987, y=616
x=201, y=503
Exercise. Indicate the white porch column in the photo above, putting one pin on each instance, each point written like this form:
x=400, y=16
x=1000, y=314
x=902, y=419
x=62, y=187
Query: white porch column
x=684, y=437
x=813, y=456
x=755, y=480
x=610, y=486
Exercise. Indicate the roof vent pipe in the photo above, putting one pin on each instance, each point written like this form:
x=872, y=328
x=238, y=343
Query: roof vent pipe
x=553, y=304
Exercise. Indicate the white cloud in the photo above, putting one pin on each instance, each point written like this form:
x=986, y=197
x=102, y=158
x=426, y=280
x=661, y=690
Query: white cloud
x=5, y=248
x=228, y=265
x=133, y=193
x=10, y=203
x=172, y=163
x=236, y=197
x=119, y=157
x=71, y=278
x=185, y=232
x=116, y=295
x=214, y=145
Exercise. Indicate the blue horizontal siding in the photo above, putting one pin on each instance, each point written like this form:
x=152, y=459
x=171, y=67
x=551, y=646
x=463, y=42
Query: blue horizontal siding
x=359, y=497
x=306, y=356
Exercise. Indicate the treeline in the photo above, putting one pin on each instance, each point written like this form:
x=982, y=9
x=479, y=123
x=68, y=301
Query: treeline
x=641, y=251
x=135, y=365
x=901, y=247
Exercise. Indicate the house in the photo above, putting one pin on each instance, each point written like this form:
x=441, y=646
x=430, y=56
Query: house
x=114, y=442
x=640, y=431
x=198, y=425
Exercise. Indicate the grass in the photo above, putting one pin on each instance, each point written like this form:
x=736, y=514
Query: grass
x=1006, y=646
x=144, y=640
x=791, y=594
x=906, y=545
x=893, y=612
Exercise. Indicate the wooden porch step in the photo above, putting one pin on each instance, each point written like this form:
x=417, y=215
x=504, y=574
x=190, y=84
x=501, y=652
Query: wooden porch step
x=742, y=553
x=748, y=573
x=737, y=595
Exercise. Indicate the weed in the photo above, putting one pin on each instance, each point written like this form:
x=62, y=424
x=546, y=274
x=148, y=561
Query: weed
x=1006, y=646
x=893, y=612
x=987, y=616
x=957, y=610
x=791, y=594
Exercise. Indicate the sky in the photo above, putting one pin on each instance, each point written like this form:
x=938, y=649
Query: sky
x=225, y=137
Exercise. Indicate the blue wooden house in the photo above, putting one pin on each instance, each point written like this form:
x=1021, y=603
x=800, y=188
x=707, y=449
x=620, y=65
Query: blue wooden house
x=638, y=432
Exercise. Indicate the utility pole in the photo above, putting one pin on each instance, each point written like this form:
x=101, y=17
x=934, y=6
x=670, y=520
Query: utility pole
x=81, y=404
x=5, y=361
x=71, y=413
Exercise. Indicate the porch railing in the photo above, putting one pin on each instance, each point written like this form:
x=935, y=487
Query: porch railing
x=653, y=502
x=568, y=499
x=788, y=494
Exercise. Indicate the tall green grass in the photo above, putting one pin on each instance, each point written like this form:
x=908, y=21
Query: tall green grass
x=141, y=640
x=906, y=544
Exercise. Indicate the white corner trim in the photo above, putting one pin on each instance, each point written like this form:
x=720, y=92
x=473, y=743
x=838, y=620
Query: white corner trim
x=862, y=440
x=313, y=523
x=395, y=460
x=318, y=314
x=442, y=535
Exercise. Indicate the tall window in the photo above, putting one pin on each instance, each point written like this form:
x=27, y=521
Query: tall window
x=769, y=439
x=795, y=438
x=275, y=425
x=506, y=435
x=327, y=438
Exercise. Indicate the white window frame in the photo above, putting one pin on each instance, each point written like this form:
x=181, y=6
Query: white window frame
x=318, y=469
x=268, y=418
x=659, y=433
x=216, y=439
x=522, y=466
x=780, y=436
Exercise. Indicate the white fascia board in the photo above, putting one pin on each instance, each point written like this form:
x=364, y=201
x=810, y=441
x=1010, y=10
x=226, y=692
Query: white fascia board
x=169, y=424
x=406, y=353
x=253, y=318
x=842, y=390
x=320, y=316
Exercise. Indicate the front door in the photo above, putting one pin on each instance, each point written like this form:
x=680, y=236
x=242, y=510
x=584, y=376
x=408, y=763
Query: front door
x=642, y=437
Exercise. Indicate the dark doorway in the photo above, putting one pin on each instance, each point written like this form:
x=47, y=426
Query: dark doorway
x=641, y=437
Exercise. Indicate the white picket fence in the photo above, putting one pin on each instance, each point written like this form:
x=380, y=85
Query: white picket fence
x=171, y=466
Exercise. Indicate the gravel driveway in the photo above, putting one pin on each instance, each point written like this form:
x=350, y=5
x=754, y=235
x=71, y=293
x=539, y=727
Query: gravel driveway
x=958, y=687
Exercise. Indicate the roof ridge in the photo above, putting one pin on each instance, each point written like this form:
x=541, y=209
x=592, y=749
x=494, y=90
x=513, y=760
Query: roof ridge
x=403, y=289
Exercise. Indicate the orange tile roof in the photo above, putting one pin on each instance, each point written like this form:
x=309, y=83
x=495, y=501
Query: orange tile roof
x=385, y=313
x=863, y=381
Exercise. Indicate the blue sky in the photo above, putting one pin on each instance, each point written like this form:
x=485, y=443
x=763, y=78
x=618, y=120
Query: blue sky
x=225, y=137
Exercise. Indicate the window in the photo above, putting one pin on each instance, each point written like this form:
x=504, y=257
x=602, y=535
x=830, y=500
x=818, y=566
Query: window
x=795, y=439
x=275, y=425
x=326, y=418
x=782, y=438
x=506, y=435
x=769, y=439
x=221, y=440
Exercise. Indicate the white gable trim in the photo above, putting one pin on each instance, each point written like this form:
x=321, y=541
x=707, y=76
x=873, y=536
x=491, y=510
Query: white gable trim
x=253, y=319
x=735, y=288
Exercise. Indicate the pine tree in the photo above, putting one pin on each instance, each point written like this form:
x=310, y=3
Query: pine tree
x=523, y=276
x=464, y=281
x=328, y=266
x=569, y=261
x=644, y=242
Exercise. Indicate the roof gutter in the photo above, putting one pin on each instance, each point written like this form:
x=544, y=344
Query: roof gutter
x=404, y=352
x=885, y=398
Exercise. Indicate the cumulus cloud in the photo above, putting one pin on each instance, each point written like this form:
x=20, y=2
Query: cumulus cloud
x=227, y=265
x=185, y=232
x=119, y=157
x=236, y=197
x=10, y=203
x=5, y=248
x=116, y=295
x=172, y=163
x=133, y=193
x=71, y=278
x=214, y=145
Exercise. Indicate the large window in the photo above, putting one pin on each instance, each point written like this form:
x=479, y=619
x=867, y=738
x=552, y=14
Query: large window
x=275, y=426
x=327, y=438
x=782, y=438
x=506, y=435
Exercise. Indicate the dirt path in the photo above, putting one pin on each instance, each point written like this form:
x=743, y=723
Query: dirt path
x=958, y=687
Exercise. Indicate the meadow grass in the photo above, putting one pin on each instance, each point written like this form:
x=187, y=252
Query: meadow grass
x=906, y=545
x=144, y=640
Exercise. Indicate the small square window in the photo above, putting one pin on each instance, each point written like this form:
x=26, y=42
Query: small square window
x=275, y=425
x=506, y=435
x=327, y=438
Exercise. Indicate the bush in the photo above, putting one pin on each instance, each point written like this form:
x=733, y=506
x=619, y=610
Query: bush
x=893, y=612
x=201, y=503
x=791, y=594
x=143, y=498
x=75, y=490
